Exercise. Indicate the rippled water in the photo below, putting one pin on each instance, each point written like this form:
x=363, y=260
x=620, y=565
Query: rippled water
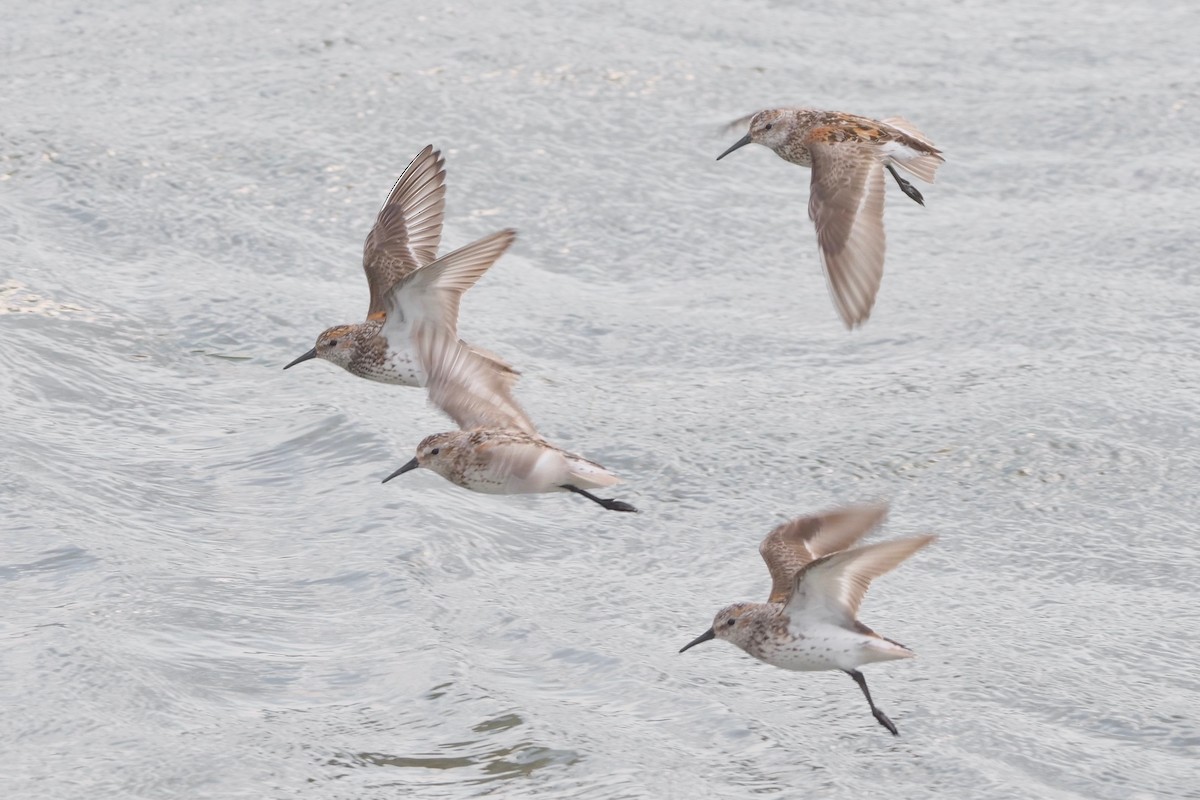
x=207, y=592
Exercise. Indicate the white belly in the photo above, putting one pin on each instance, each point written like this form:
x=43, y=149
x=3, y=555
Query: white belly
x=898, y=152
x=811, y=654
x=828, y=647
x=508, y=470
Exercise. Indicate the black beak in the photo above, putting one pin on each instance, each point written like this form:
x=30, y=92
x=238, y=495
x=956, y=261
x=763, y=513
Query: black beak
x=409, y=467
x=742, y=142
x=310, y=354
x=701, y=639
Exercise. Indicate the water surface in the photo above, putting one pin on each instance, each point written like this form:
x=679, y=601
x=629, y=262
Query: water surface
x=207, y=593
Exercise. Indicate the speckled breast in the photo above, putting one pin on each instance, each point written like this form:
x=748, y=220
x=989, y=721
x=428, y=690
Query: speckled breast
x=804, y=654
x=393, y=366
x=796, y=153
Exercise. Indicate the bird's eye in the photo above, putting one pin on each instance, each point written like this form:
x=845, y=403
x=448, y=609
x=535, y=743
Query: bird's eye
x=435, y=451
x=730, y=622
x=332, y=343
x=767, y=127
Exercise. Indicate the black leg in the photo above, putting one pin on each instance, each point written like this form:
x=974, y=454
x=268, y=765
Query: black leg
x=906, y=187
x=611, y=505
x=880, y=717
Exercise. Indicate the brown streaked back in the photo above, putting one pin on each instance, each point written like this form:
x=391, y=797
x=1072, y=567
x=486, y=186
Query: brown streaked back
x=793, y=545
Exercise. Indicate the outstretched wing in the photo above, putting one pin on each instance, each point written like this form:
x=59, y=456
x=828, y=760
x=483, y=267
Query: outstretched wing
x=846, y=205
x=831, y=588
x=409, y=226
x=793, y=545
x=470, y=388
x=431, y=294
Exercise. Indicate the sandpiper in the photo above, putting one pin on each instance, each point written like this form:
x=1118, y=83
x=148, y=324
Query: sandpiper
x=497, y=449
x=810, y=621
x=847, y=154
x=398, y=251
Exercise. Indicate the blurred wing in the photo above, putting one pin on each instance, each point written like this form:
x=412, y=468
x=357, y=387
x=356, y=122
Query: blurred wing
x=846, y=204
x=430, y=295
x=738, y=125
x=793, y=545
x=472, y=389
x=408, y=228
x=741, y=123
x=517, y=460
x=831, y=588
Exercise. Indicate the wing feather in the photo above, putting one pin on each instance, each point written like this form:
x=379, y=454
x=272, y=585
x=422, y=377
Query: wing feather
x=831, y=588
x=796, y=543
x=408, y=227
x=470, y=388
x=846, y=205
x=431, y=294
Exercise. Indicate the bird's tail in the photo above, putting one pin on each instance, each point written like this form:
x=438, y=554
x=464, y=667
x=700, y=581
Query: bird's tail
x=590, y=475
x=920, y=158
x=882, y=648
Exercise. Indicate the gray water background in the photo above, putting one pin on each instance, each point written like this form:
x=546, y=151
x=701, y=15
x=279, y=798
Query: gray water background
x=207, y=593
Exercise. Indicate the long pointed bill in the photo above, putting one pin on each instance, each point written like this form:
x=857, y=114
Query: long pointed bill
x=310, y=354
x=742, y=142
x=701, y=639
x=409, y=467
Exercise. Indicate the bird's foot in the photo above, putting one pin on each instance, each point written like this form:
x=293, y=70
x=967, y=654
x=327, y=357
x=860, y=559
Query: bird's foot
x=906, y=186
x=610, y=504
x=883, y=720
x=913, y=192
